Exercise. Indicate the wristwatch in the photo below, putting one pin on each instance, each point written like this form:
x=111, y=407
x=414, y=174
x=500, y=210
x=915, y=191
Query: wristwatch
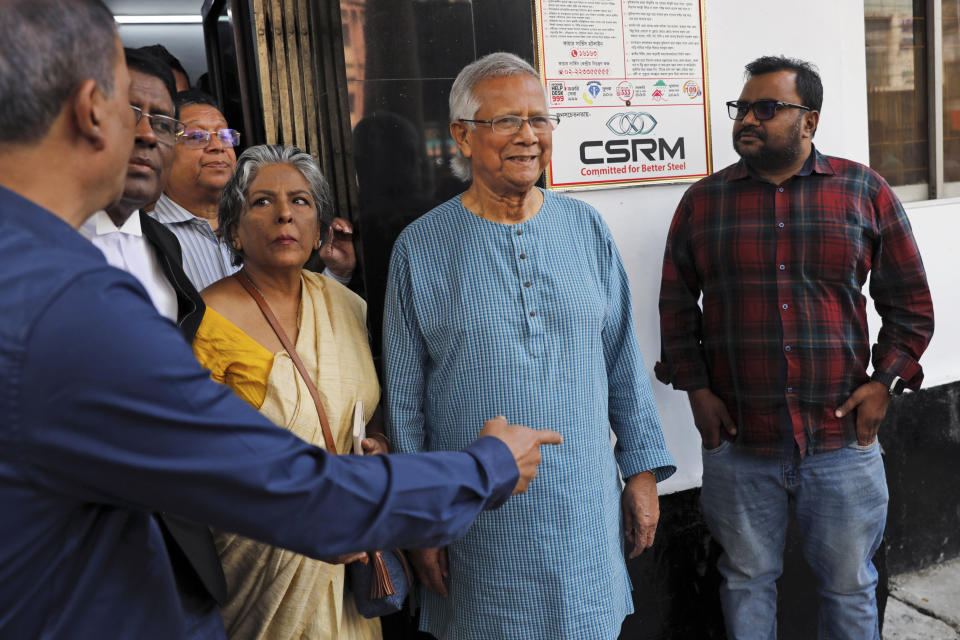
x=894, y=383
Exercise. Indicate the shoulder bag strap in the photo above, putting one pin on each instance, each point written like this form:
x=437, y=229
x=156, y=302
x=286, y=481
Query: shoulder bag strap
x=247, y=284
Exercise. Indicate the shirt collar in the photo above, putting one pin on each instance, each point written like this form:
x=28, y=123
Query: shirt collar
x=43, y=223
x=168, y=211
x=102, y=224
x=816, y=163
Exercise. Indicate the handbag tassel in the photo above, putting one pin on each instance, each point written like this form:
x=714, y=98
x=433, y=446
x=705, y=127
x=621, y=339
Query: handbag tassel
x=380, y=584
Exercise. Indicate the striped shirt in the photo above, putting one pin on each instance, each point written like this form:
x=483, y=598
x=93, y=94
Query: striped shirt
x=205, y=258
x=782, y=336
x=532, y=321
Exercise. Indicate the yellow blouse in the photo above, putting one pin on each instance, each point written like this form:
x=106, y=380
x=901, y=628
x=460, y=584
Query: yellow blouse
x=234, y=358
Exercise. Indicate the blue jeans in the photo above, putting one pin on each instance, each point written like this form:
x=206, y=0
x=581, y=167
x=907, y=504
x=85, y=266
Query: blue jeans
x=841, y=509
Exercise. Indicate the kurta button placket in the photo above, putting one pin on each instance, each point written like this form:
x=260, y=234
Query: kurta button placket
x=527, y=298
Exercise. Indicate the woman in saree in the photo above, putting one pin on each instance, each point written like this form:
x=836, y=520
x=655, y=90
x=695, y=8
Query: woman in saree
x=273, y=214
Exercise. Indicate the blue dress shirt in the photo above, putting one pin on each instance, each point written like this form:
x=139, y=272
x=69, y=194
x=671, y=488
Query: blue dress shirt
x=106, y=417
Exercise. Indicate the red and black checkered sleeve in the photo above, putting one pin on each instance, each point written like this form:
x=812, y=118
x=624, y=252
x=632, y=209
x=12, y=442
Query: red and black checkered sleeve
x=681, y=352
x=898, y=286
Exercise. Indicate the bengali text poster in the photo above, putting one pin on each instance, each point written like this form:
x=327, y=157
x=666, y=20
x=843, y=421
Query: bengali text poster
x=628, y=80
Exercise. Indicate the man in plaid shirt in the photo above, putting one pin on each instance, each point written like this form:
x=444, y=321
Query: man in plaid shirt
x=775, y=363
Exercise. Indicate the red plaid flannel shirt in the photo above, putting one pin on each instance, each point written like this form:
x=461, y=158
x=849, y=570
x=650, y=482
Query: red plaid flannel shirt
x=782, y=336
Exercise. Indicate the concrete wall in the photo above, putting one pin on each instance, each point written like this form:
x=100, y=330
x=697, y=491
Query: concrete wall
x=831, y=34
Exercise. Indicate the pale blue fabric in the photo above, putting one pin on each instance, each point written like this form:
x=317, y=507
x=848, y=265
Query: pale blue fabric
x=205, y=258
x=465, y=339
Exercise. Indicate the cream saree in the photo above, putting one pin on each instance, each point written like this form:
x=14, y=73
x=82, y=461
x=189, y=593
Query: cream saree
x=276, y=594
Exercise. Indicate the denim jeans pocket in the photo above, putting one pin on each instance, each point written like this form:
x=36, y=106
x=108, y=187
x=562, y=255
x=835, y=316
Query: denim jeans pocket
x=856, y=446
x=712, y=452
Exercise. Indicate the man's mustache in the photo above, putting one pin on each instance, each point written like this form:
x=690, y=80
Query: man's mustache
x=754, y=131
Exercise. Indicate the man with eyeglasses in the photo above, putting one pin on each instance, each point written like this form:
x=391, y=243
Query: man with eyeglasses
x=775, y=360
x=532, y=282
x=203, y=161
x=138, y=243
x=133, y=241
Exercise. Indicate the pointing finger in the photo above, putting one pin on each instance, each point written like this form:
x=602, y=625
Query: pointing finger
x=547, y=436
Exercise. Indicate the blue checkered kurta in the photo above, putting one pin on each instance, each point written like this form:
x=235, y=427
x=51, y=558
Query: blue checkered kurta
x=531, y=321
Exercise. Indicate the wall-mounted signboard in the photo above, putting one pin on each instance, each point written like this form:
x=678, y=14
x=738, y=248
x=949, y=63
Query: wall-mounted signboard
x=628, y=79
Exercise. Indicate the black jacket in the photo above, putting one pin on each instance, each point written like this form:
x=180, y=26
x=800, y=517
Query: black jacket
x=190, y=305
x=192, y=552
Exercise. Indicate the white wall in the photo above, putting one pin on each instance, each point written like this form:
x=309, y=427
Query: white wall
x=936, y=226
x=829, y=33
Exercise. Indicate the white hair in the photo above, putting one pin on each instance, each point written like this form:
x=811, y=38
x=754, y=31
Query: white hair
x=464, y=103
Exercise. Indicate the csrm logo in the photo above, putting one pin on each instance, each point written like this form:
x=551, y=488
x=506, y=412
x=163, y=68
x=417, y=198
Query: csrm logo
x=631, y=123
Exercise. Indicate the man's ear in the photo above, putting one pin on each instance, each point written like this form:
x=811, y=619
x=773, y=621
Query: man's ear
x=89, y=112
x=460, y=132
x=810, y=122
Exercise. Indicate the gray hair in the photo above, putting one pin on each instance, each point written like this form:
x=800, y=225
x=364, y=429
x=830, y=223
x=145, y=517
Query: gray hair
x=233, y=202
x=47, y=49
x=464, y=103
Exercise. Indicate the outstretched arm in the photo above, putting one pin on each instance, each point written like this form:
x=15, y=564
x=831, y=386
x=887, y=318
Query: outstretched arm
x=125, y=416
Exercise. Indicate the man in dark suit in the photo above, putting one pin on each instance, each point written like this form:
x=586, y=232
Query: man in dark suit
x=133, y=241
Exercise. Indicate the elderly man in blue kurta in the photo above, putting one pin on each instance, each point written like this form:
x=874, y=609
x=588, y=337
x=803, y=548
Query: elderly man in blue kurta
x=511, y=300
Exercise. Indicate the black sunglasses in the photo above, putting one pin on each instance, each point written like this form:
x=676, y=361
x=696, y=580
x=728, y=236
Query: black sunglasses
x=762, y=109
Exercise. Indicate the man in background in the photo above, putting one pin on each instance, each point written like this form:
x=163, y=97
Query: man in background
x=138, y=244
x=203, y=161
x=180, y=76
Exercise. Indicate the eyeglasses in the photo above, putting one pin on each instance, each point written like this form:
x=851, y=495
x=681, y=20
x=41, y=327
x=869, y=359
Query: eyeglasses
x=198, y=138
x=762, y=109
x=512, y=124
x=166, y=128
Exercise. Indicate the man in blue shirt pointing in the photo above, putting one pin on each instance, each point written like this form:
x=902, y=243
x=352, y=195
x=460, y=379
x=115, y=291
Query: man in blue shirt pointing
x=106, y=418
